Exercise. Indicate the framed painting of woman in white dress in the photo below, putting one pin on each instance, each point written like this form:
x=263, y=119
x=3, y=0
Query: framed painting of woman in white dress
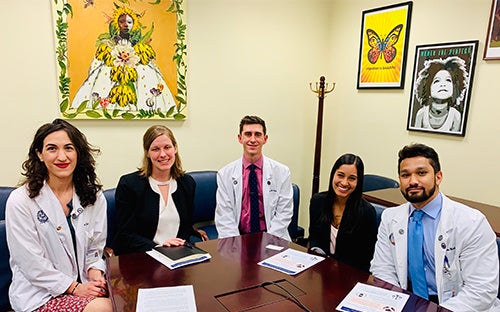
x=121, y=60
x=441, y=87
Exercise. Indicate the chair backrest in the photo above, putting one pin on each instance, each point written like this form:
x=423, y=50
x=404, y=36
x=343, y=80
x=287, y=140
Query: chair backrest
x=204, y=195
x=111, y=212
x=4, y=194
x=378, y=210
x=498, y=249
x=293, y=227
x=5, y=272
x=374, y=182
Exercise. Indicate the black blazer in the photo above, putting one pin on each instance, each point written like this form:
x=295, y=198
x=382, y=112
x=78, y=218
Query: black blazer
x=137, y=212
x=354, y=247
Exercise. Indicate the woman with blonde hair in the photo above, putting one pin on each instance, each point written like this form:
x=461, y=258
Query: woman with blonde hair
x=155, y=204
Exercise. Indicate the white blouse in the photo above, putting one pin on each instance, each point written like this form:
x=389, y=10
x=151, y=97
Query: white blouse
x=333, y=238
x=168, y=220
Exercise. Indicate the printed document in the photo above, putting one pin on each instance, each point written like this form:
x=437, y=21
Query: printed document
x=291, y=261
x=368, y=298
x=172, y=299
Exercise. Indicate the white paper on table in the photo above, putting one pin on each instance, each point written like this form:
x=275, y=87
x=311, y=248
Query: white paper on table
x=291, y=261
x=368, y=298
x=171, y=299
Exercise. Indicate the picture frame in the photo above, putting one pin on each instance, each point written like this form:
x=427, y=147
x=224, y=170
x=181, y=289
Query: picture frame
x=441, y=87
x=383, y=46
x=492, y=43
x=121, y=60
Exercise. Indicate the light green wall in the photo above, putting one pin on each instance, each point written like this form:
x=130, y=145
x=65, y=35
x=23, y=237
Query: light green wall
x=258, y=57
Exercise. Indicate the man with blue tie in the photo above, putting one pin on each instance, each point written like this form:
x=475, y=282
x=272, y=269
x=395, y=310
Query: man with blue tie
x=254, y=193
x=439, y=249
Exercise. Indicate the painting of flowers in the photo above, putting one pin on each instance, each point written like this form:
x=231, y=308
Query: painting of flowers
x=121, y=60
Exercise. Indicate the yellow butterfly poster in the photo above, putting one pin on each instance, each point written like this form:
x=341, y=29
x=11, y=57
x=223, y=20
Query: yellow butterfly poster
x=121, y=59
x=384, y=42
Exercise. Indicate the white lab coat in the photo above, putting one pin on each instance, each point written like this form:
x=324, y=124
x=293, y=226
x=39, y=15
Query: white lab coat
x=469, y=279
x=277, y=192
x=42, y=258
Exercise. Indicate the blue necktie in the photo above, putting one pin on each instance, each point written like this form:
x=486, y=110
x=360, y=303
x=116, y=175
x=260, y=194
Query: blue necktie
x=254, y=200
x=416, y=255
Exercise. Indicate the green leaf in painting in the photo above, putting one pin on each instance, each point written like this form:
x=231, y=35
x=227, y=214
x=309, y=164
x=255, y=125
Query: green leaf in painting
x=64, y=105
x=179, y=117
x=170, y=111
x=93, y=114
x=106, y=114
x=128, y=116
x=82, y=106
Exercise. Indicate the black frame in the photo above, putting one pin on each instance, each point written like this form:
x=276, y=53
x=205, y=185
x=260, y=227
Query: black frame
x=464, y=53
x=366, y=64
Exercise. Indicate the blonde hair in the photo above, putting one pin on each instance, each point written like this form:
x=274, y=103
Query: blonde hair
x=151, y=134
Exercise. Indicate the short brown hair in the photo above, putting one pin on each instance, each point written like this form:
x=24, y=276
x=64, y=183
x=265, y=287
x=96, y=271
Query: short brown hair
x=252, y=120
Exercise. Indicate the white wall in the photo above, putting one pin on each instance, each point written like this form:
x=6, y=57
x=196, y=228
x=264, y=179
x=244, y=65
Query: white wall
x=372, y=123
x=258, y=57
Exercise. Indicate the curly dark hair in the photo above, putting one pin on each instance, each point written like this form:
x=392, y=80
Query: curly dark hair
x=84, y=177
x=455, y=66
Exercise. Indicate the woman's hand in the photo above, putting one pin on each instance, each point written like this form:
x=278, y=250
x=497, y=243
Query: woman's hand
x=91, y=289
x=95, y=275
x=174, y=242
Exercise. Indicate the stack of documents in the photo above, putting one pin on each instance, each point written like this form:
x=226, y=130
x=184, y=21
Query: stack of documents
x=176, y=257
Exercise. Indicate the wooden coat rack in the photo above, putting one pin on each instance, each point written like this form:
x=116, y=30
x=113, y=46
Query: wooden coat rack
x=320, y=91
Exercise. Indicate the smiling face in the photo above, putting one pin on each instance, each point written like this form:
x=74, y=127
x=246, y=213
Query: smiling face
x=161, y=153
x=59, y=156
x=252, y=138
x=419, y=184
x=345, y=181
x=442, y=85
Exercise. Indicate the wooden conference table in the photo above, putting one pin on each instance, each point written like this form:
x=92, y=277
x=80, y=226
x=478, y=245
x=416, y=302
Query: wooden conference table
x=230, y=280
x=393, y=197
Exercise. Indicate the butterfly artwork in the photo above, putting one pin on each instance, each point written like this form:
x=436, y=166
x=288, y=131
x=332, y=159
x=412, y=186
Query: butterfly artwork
x=383, y=46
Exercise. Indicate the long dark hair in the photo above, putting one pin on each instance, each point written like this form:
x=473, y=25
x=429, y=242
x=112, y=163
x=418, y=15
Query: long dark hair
x=84, y=177
x=353, y=210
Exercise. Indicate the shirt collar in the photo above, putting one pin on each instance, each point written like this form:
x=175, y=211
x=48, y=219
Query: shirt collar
x=258, y=163
x=433, y=208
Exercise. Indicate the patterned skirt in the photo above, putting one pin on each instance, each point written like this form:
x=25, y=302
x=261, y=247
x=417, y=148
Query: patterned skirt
x=65, y=303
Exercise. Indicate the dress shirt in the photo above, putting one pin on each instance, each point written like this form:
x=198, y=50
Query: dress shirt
x=245, y=200
x=430, y=221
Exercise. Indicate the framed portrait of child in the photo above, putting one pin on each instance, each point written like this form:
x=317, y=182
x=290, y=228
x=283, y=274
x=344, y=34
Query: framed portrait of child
x=441, y=87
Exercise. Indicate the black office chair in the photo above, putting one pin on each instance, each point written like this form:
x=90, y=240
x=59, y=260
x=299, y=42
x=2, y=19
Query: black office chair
x=204, y=202
x=5, y=272
x=296, y=232
x=498, y=249
x=373, y=182
x=111, y=212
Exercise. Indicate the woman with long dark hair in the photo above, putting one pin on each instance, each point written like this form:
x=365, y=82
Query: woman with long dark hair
x=341, y=223
x=56, y=226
